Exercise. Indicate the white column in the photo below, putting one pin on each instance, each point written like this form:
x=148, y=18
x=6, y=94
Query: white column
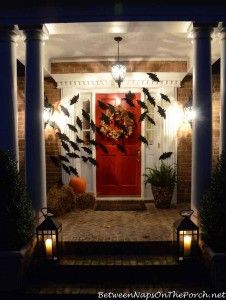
x=8, y=91
x=222, y=144
x=34, y=125
x=202, y=125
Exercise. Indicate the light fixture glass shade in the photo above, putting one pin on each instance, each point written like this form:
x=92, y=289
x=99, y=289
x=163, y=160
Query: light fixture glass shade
x=48, y=111
x=47, y=114
x=189, y=111
x=118, y=72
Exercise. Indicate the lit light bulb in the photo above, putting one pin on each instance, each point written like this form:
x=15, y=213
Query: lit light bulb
x=117, y=101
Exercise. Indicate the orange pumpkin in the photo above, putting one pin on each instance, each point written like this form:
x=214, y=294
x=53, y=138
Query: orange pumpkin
x=78, y=184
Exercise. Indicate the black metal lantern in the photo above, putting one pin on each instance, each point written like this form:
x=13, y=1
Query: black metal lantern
x=49, y=237
x=118, y=70
x=186, y=237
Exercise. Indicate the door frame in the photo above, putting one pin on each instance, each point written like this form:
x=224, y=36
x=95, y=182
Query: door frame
x=93, y=114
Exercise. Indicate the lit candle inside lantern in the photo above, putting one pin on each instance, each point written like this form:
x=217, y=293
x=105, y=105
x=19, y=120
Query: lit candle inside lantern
x=187, y=245
x=49, y=247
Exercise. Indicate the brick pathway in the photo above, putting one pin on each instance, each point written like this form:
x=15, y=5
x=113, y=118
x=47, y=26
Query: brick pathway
x=150, y=225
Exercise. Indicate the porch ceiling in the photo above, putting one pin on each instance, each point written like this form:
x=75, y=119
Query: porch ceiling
x=94, y=42
x=140, y=40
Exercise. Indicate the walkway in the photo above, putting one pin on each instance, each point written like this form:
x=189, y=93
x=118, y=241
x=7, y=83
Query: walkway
x=150, y=225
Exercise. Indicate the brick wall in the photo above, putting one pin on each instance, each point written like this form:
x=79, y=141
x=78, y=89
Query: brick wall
x=216, y=116
x=51, y=142
x=184, y=142
x=184, y=147
x=104, y=66
x=20, y=99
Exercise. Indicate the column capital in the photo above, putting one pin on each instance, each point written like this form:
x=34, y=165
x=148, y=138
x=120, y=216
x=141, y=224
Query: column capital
x=201, y=30
x=9, y=33
x=35, y=32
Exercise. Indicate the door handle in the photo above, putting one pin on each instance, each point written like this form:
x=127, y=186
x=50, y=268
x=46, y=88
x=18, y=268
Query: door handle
x=138, y=155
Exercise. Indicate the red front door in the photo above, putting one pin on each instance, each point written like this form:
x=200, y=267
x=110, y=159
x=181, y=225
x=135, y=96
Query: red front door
x=118, y=173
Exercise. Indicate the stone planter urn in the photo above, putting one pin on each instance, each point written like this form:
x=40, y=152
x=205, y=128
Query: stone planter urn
x=216, y=265
x=14, y=264
x=162, y=196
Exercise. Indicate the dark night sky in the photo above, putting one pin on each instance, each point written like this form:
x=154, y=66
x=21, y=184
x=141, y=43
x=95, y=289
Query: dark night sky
x=51, y=3
x=33, y=12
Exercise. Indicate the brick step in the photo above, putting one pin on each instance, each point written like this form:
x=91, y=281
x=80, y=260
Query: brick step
x=90, y=291
x=115, y=268
x=83, y=276
x=120, y=247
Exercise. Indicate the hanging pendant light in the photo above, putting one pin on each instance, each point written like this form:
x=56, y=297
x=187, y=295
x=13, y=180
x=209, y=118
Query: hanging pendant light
x=118, y=70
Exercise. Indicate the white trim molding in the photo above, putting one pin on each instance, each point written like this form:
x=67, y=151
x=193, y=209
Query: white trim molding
x=105, y=80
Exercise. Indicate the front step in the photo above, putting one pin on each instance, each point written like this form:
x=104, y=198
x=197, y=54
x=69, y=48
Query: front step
x=80, y=291
x=85, y=276
x=116, y=268
x=89, y=267
x=121, y=247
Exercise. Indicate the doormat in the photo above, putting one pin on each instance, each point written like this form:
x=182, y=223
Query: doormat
x=120, y=205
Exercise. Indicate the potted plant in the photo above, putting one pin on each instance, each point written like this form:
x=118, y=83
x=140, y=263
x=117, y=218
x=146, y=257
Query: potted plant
x=162, y=180
x=16, y=225
x=213, y=224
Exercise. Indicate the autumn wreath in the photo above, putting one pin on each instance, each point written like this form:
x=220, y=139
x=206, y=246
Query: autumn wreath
x=117, y=123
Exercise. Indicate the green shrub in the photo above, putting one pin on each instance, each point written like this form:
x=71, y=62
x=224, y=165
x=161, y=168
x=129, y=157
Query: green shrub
x=213, y=208
x=164, y=176
x=16, y=214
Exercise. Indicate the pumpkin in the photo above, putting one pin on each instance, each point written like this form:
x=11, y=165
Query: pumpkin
x=78, y=184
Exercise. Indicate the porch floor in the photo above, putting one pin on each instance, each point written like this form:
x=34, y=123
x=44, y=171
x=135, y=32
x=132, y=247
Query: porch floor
x=149, y=225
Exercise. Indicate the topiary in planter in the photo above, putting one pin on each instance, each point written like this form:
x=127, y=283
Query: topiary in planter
x=213, y=209
x=162, y=196
x=162, y=180
x=16, y=213
x=60, y=199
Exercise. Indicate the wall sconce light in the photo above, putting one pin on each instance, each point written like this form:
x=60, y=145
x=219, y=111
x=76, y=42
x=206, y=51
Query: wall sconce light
x=118, y=70
x=186, y=237
x=48, y=111
x=189, y=113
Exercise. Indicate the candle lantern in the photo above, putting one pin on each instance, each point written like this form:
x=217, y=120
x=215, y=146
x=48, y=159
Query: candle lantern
x=186, y=237
x=49, y=237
